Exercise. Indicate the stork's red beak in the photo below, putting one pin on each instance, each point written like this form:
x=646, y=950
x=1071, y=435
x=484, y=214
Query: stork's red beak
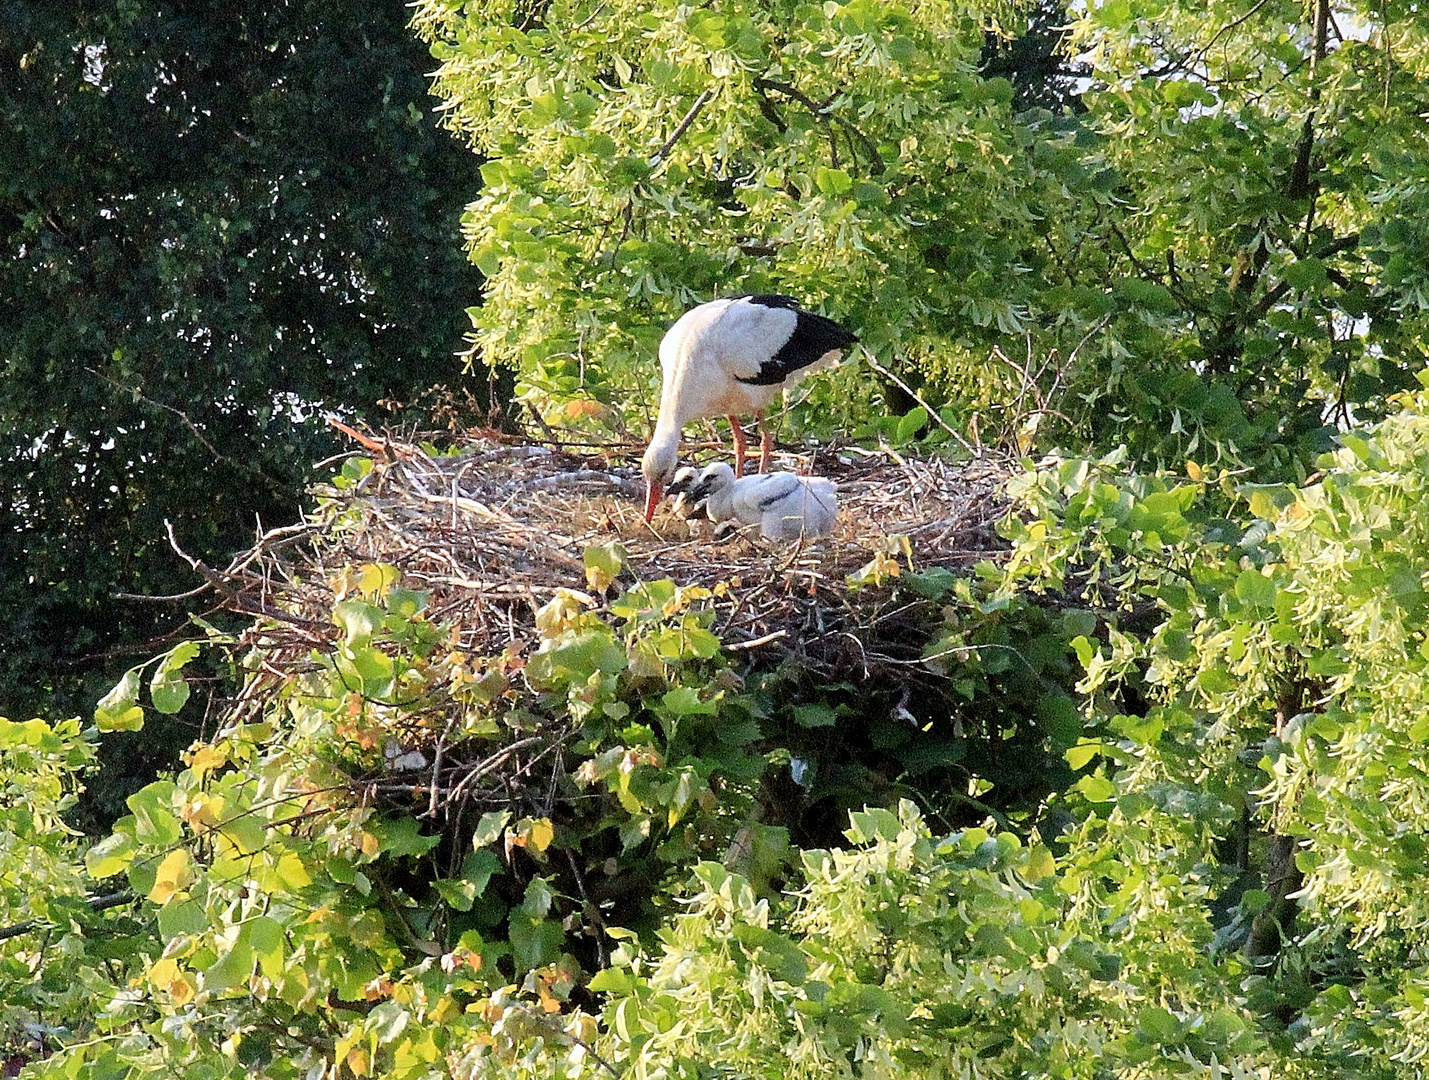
x=652, y=498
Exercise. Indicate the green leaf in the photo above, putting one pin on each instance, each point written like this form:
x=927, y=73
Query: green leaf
x=268, y=940
x=603, y=564
x=1308, y=273
x=1358, y=446
x=490, y=828
x=168, y=691
x=1158, y=1026
x=182, y=916
x=358, y=620
x=1217, y=680
x=575, y=656
x=234, y=965
x=404, y=604
x=833, y=182
x=1058, y=714
x=1148, y=295
x=706, y=27
x=535, y=943
x=901, y=49
x=871, y=824
x=155, y=823
x=387, y=1021
x=476, y=872
x=1096, y=789
x=933, y=583
x=816, y=715
x=247, y=831
x=1183, y=92
x=402, y=837
x=112, y=855
x=686, y=701
x=1255, y=589
x=458, y=895
x=1040, y=863
x=912, y=422
x=616, y=981
x=775, y=953
x=119, y=709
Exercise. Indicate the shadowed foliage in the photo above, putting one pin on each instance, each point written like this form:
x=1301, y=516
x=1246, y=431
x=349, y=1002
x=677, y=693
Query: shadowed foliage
x=215, y=222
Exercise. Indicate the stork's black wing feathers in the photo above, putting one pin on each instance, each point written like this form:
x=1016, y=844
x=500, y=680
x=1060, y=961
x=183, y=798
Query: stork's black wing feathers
x=782, y=492
x=813, y=336
x=770, y=300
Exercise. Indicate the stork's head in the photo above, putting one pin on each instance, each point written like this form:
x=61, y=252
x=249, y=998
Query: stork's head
x=683, y=482
x=714, y=478
x=658, y=465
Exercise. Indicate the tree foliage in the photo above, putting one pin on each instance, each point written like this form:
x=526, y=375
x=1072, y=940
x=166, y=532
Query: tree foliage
x=1281, y=723
x=1205, y=662
x=1234, y=886
x=643, y=156
x=1033, y=57
x=215, y=224
x=1217, y=256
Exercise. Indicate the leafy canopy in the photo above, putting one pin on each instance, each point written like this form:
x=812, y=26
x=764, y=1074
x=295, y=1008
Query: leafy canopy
x=1217, y=253
x=213, y=224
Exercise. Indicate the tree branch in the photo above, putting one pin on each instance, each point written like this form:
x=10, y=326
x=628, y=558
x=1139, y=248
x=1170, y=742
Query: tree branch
x=823, y=115
x=681, y=127
x=96, y=903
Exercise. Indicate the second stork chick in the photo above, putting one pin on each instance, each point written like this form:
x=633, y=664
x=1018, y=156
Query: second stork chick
x=784, y=505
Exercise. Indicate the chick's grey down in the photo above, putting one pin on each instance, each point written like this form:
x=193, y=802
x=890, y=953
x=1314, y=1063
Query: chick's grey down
x=784, y=505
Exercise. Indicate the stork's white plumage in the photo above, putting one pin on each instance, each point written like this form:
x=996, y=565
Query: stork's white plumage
x=732, y=357
x=784, y=506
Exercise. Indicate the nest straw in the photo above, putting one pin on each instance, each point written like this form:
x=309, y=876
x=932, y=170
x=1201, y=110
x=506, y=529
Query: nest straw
x=492, y=531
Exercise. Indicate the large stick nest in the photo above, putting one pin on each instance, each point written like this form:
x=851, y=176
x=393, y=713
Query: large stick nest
x=493, y=531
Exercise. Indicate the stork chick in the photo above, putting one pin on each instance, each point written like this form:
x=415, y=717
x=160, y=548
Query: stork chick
x=784, y=505
x=732, y=357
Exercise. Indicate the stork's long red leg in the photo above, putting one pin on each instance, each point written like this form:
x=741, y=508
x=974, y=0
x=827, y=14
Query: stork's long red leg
x=736, y=434
x=766, y=445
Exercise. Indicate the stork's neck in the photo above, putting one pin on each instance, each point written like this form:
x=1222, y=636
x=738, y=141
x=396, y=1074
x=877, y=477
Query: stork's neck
x=667, y=429
x=719, y=503
x=662, y=453
x=666, y=437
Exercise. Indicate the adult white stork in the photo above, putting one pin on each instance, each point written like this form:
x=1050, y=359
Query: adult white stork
x=732, y=357
x=784, y=506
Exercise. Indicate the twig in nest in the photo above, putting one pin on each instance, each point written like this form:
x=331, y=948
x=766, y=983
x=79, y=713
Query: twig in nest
x=765, y=640
x=377, y=446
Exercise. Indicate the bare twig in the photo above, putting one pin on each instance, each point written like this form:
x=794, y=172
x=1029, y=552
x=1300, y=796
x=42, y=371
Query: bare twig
x=976, y=451
x=681, y=128
x=188, y=423
x=765, y=640
x=95, y=903
x=822, y=112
